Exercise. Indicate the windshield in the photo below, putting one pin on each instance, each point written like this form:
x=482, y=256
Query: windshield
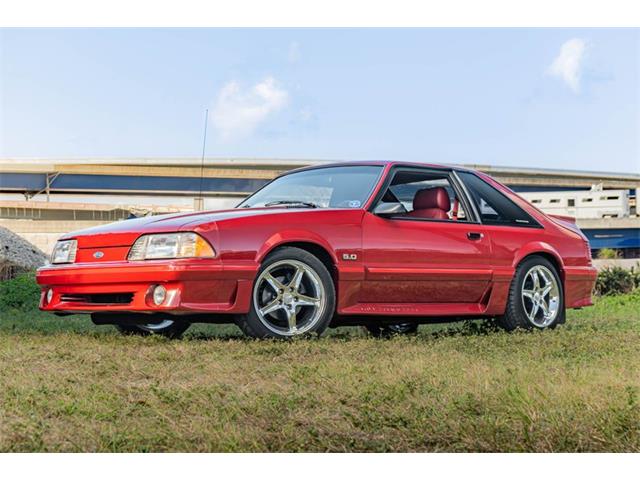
x=330, y=187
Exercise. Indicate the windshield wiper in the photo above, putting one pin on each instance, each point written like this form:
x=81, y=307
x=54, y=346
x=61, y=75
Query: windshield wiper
x=291, y=202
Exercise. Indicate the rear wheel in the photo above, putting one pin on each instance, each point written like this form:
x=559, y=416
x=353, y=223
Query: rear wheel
x=536, y=297
x=293, y=295
x=384, y=331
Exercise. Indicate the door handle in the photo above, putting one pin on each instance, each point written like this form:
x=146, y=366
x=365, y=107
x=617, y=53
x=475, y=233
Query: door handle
x=474, y=235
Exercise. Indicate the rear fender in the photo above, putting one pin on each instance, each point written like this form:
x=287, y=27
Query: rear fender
x=539, y=247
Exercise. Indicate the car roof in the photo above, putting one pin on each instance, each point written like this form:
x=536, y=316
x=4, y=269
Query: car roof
x=381, y=163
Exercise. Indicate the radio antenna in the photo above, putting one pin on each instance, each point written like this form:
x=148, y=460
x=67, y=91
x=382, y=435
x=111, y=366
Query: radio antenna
x=204, y=145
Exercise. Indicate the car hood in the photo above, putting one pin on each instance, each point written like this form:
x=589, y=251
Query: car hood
x=125, y=232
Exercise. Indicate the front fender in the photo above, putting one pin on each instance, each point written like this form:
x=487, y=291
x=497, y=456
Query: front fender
x=292, y=236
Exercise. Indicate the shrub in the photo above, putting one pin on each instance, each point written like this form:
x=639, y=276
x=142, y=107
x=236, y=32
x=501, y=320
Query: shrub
x=20, y=292
x=635, y=274
x=608, y=254
x=614, y=281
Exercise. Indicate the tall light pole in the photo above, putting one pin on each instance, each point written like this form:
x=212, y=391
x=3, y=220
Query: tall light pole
x=199, y=200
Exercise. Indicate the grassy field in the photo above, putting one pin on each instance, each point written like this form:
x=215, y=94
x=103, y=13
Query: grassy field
x=66, y=385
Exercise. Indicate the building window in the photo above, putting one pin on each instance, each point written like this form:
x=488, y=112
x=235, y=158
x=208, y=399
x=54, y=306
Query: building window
x=571, y=202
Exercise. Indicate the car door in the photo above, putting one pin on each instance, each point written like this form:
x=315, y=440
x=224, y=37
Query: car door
x=419, y=259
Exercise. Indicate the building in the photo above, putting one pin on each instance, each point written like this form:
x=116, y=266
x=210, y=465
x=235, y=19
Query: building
x=608, y=217
x=581, y=204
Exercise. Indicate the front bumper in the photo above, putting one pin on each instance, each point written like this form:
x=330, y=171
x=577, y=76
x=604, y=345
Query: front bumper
x=193, y=286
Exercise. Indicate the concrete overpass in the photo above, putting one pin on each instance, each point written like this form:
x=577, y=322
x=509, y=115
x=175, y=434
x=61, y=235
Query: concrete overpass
x=232, y=177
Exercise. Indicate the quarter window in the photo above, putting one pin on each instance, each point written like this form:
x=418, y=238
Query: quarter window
x=494, y=207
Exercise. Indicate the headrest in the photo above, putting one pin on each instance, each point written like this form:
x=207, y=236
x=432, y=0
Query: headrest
x=432, y=198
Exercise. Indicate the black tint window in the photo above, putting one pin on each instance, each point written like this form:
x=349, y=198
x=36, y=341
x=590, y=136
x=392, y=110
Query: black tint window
x=494, y=207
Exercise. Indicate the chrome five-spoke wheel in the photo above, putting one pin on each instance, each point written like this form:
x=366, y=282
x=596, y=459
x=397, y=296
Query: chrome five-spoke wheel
x=540, y=296
x=289, y=297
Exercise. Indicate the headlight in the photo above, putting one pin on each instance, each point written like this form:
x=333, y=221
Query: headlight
x=64, y=251
x=170, y=245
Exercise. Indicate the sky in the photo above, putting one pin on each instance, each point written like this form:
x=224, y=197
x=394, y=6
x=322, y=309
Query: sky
x=546, y=98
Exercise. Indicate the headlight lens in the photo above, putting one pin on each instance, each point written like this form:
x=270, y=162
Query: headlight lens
x=64, y=251
x=170, y=245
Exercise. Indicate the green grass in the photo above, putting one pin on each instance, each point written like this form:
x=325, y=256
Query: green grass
x=67, y=385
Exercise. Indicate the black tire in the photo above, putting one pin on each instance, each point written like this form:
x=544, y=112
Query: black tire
x=173, y=330
x=386, y=331
x=251, y=323
x=516, y=316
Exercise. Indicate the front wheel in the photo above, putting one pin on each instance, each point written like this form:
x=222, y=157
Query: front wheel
x=536, y=297
x=293, y=295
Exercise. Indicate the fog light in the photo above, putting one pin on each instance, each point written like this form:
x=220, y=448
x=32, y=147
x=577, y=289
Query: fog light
x=159, y=295
x=49, y=295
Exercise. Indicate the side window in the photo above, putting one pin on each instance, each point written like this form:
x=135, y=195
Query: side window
x=494, y=207
x=425, y=195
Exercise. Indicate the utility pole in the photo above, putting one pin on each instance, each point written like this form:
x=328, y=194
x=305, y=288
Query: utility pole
x=199, y=200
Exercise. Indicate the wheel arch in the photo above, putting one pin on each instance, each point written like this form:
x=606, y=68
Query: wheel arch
x=311, y=243
x=543, y=250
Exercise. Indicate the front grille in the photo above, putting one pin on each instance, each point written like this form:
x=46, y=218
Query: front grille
x=98, y=298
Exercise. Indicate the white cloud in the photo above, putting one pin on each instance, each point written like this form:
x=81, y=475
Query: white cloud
x=294, y=52
x=237, y=112
x=568, y=63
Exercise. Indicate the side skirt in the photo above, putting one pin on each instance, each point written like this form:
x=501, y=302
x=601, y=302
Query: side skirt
x=416, y=309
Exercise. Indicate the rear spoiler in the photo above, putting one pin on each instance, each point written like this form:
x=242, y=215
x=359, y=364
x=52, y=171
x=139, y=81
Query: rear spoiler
x=564, y=218
x=568, y=223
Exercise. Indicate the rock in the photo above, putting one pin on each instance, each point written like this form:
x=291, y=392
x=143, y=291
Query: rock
x=17, y=254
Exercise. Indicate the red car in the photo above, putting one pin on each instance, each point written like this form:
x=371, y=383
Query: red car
x=387, y=245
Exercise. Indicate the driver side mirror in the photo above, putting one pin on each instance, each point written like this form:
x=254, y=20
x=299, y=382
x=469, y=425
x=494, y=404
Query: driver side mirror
x=385, y=209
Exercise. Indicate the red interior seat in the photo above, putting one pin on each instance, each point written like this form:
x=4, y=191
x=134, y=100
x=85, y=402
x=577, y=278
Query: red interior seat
x=431, y=203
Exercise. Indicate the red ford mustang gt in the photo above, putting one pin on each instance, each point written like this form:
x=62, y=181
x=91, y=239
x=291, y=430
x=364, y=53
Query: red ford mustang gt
x=387, y=245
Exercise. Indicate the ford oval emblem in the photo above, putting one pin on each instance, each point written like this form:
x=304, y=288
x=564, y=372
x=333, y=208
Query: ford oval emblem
x=98, y=254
